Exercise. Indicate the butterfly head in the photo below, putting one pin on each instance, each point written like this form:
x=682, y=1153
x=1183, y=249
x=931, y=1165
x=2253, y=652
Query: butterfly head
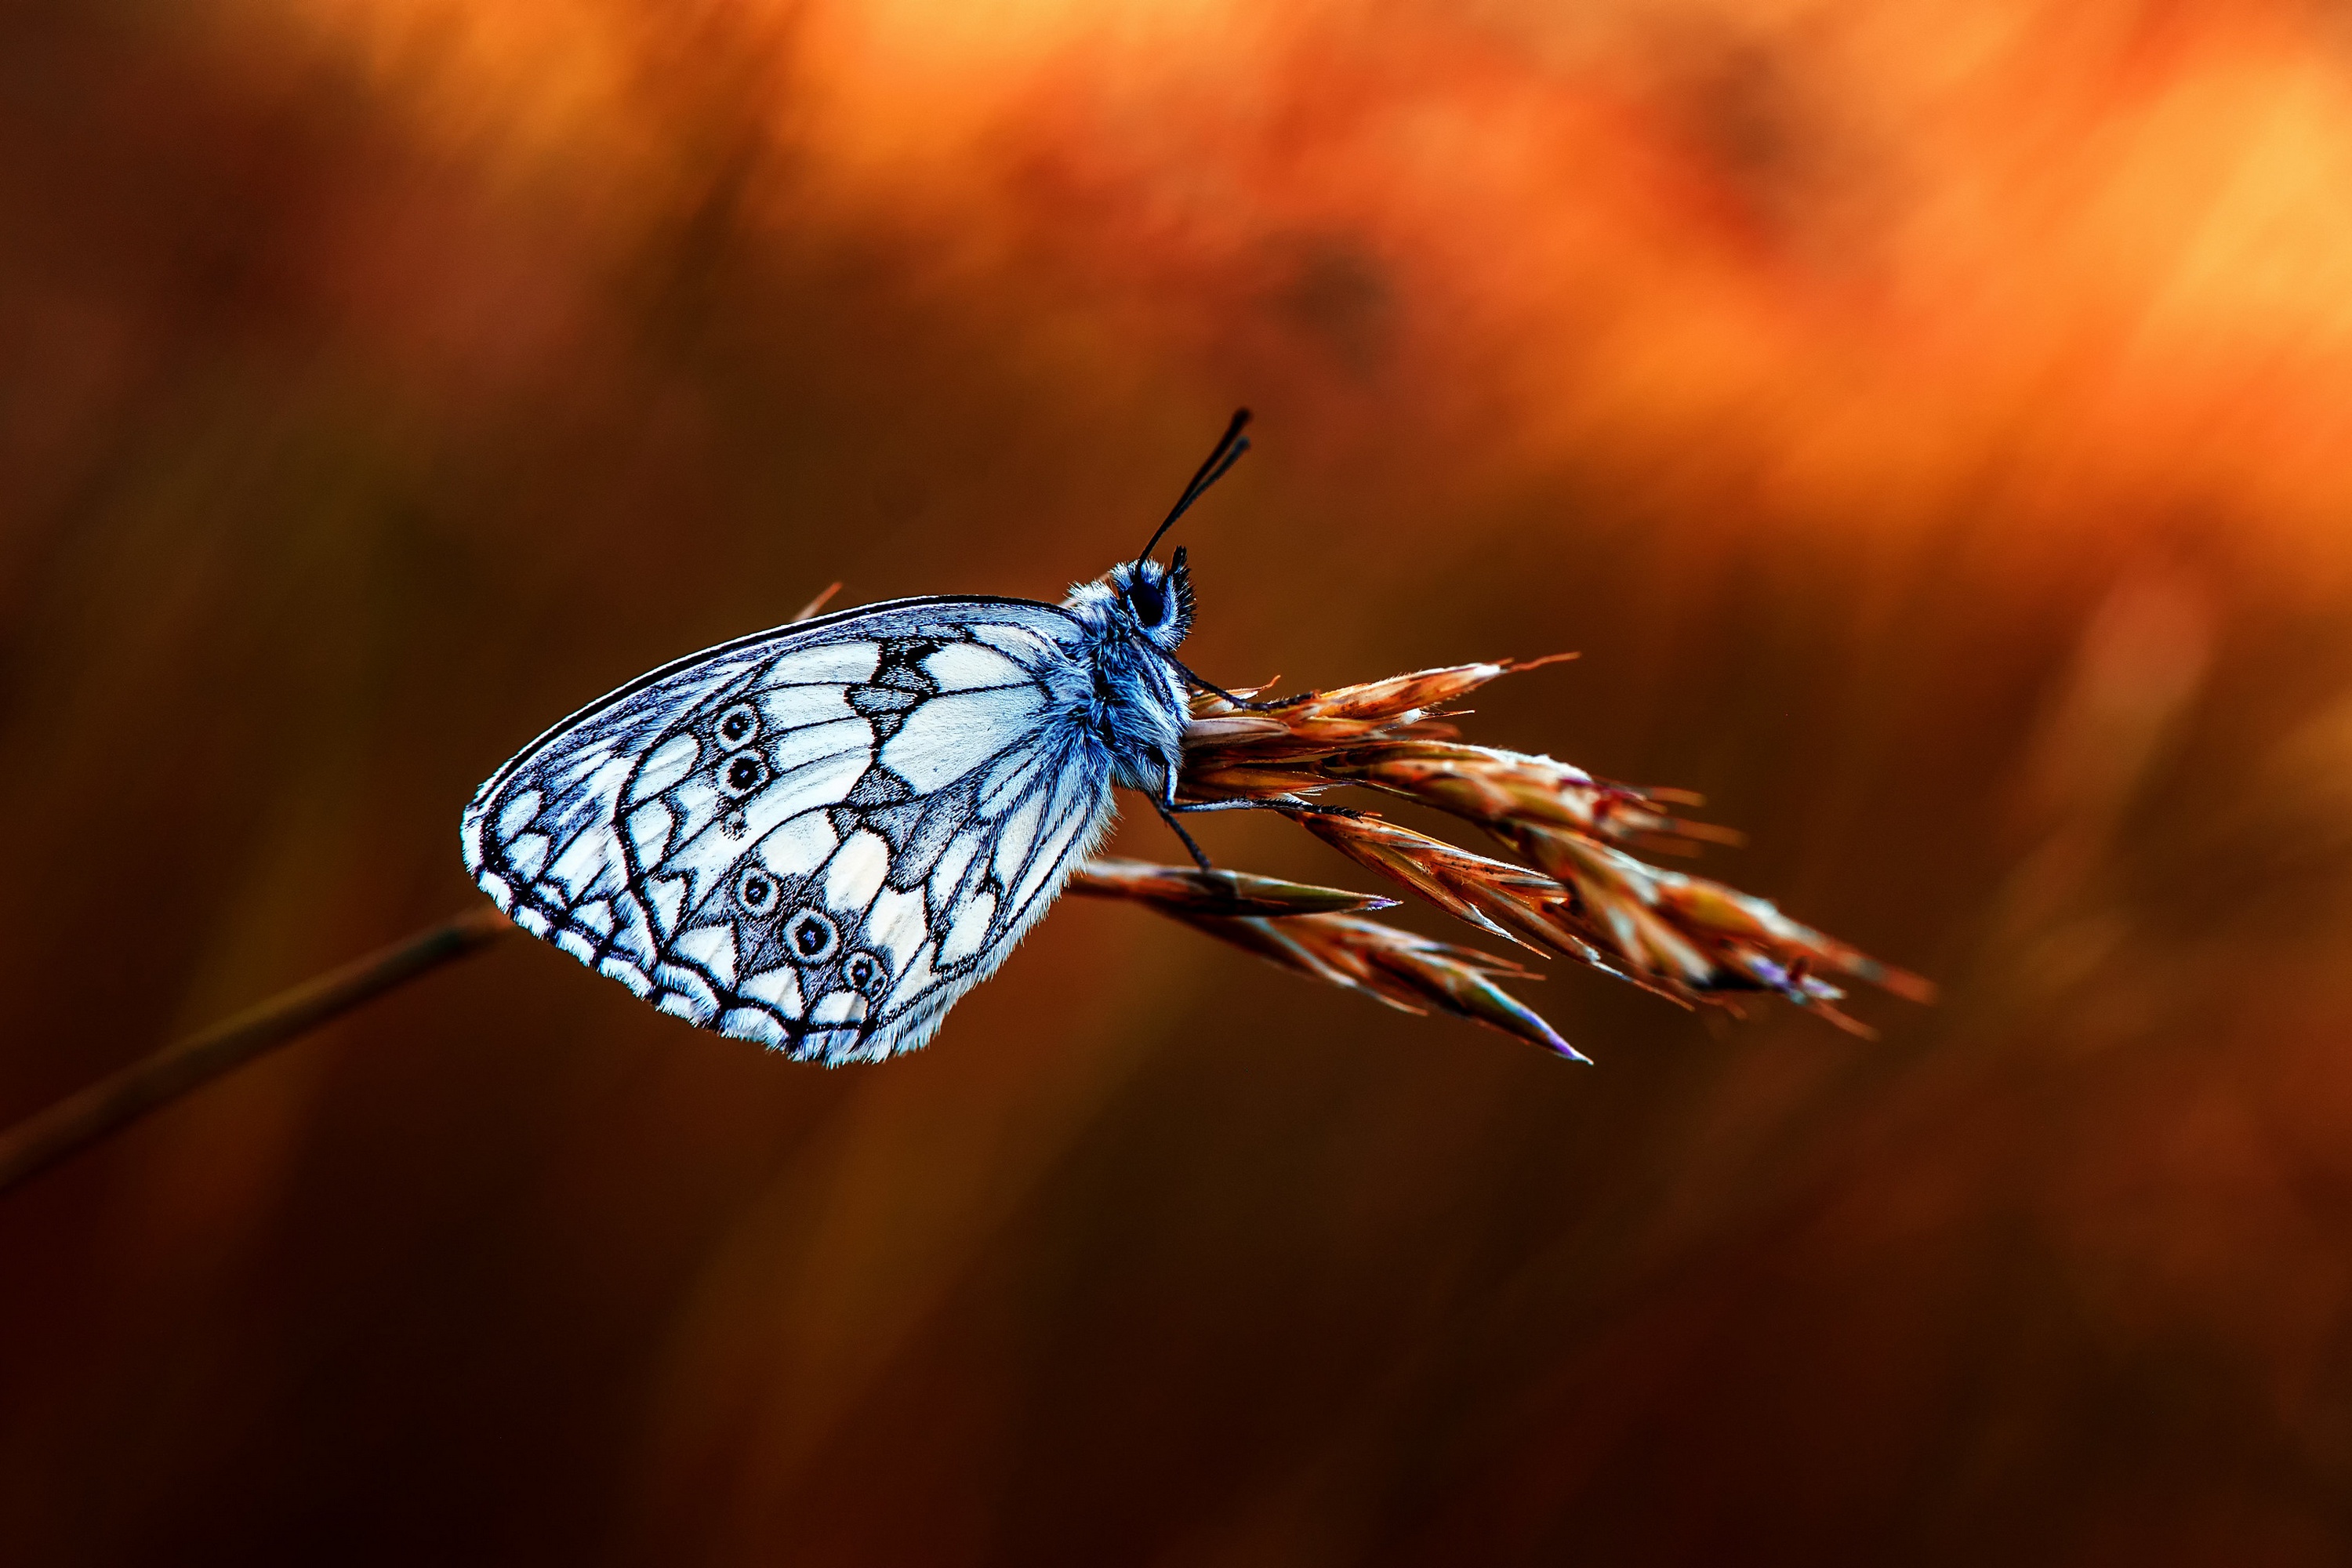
x=1141, y=597
x=1152, y=601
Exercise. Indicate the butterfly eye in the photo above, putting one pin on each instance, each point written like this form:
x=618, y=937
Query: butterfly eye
x=744, y=771
x=1147, y=601
x=862, y=971
x=738, y=723
x=756, y=892
x=811, y=937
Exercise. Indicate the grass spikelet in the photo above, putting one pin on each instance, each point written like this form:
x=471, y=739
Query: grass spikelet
x=1704, y=937
x=1319, y=932
x=1232, y=753
x=1506, y=900
x=1410, y=973
x=1180, y=889
x=1576, y=892
x=1500, y=789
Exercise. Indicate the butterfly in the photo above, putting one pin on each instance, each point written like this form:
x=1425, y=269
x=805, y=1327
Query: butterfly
x=820, y=837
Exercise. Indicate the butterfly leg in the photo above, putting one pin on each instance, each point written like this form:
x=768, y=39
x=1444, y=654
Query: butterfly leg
x=1293, y=805
x=1213, y=688
x=1199, y=858
x=1191, y=806
x=1164, y=801
x=1168, y=816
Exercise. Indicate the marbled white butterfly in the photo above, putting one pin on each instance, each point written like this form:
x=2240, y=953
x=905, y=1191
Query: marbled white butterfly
x=820, y=837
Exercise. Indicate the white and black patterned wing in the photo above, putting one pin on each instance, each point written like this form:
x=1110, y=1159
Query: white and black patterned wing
x=819, y=837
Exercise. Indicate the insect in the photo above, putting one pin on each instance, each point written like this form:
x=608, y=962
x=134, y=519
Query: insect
x=820, y=837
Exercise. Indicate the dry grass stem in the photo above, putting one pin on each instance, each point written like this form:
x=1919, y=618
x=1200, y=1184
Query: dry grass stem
x=112, y=1103
x=815, y=606
x=1579, y=894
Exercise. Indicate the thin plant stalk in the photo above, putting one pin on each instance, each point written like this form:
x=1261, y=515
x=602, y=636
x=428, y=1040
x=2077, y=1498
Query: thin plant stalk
x=1580, y=894
x=115, y=1102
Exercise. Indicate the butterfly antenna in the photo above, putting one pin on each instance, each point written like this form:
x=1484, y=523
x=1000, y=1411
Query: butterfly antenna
x=1224, y=454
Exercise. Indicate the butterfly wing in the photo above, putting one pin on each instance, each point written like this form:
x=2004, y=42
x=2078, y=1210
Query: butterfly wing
x=817, y=838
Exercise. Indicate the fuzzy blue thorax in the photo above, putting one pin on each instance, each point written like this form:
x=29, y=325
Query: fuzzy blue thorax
x=1132, y=618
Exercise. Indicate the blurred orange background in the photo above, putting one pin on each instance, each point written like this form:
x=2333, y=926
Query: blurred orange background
x=1930, y=421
